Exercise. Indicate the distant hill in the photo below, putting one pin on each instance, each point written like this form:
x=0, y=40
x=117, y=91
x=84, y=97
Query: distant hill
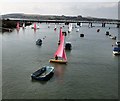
x=53, y=17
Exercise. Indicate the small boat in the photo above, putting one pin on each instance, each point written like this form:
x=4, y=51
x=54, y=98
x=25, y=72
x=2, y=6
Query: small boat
x=18, y=26
x=23, y=26
x=107, y=32
x=116, y=50
x=60, y=55
x=81, y=35
x=70, y=28
x=113, y=37
x=43, y=74
x=81, y=24
x=35, y=26
x=98, y=30
x=117, y=43
x=68, y=46
x=39, y=42
x=55, y=28
x=77, y=30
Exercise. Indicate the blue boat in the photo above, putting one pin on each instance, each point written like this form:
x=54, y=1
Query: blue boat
x=43, y=74
x=116, y=50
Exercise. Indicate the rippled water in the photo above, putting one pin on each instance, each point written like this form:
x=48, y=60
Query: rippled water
x=91, y=72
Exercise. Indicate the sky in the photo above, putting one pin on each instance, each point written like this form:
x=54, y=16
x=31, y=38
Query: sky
x=86, y=8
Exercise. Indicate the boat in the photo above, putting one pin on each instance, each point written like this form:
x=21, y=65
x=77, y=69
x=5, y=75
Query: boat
x=35, y=26
x=81, y=24
x=70, y=28
x=23, y=26
x=55, y=28
x=77, y=30
x=113, y=37
x=117, y=43
x=39, y=42
x=18, y=26
x=60, y=55
x=98, y=30
x=43, y=74
x=116, y=50
x=68, y=46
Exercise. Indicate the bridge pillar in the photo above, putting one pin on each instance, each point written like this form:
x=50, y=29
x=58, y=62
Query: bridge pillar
x=90, y=24
x=118, y=25
x=103, y=24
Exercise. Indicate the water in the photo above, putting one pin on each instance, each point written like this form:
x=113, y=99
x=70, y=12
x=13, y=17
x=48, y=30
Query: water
x=91, y=72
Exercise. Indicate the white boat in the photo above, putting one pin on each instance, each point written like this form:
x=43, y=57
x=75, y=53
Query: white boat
x=23, y=26
x=117, y=43
x=81, y=24
x=116, y=48
x=70, y=28
x=77, y=30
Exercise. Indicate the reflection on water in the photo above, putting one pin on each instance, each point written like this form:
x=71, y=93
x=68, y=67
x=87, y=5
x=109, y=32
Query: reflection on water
x=59, y=71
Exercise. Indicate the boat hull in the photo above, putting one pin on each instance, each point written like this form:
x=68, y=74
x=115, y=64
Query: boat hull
x=38, y=75
x=58, y=61
x=116, y=53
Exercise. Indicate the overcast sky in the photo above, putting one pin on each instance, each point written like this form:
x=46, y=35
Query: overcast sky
x=93, y=8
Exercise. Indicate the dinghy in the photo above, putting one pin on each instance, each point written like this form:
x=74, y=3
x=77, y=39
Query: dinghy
x=43, y=74
x=60, y=55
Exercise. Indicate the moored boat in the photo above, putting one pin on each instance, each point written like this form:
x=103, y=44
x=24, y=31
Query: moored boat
x=43, y=74
x=39, y=42
x=116, y=50
x=68, y=46
x=117, y=43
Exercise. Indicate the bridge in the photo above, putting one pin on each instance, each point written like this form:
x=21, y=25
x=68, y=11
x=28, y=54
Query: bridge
x=90, y=22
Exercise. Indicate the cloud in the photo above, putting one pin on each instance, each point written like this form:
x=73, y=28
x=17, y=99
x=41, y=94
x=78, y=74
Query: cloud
x=95, y=9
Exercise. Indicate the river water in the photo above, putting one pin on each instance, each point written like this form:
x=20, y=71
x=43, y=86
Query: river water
x=91, y=71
